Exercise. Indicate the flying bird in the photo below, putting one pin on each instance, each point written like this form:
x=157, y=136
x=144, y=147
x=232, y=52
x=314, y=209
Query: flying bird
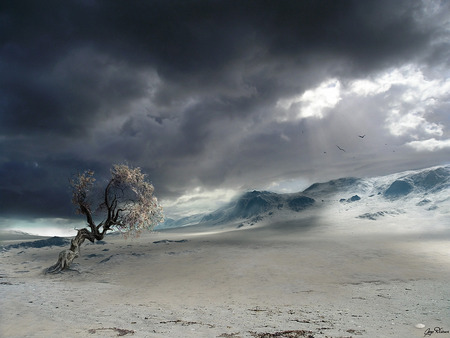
x=362, y=136
x=340, y=148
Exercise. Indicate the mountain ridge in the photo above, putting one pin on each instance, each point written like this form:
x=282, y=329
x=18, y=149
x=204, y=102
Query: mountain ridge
x=423, y=188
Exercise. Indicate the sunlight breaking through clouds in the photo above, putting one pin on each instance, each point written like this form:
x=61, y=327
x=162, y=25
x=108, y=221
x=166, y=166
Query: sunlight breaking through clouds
x=399, y=124
x=312, y=103
x=408, y=96
x=429, y=145
x=415, y=100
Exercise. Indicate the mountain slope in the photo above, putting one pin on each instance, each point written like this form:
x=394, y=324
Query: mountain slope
x=412, y=191
x=257, y=204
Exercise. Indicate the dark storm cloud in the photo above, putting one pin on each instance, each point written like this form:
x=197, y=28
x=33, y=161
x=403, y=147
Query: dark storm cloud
x=185, y=89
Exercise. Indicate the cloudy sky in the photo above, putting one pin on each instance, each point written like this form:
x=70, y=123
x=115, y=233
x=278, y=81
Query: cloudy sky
x=212, y=98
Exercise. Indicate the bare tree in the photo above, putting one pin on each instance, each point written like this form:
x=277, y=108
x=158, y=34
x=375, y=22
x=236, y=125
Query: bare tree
x=127, y=201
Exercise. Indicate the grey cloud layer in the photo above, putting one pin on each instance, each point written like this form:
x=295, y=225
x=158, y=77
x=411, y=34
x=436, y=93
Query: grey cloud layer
x=188, y=90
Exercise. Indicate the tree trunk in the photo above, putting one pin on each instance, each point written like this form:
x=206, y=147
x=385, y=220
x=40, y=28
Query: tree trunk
x=66, y=257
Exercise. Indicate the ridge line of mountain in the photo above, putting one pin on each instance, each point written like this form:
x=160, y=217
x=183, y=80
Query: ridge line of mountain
x=253, y=205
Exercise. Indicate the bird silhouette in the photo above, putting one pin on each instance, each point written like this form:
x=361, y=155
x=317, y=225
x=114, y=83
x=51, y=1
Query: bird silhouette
x=340, y=148
x=362, y=136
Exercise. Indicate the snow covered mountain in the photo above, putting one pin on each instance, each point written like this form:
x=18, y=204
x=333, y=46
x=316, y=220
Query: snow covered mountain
x=257, y=204
x=185, y=221
x=425, y=191
x=417, y=192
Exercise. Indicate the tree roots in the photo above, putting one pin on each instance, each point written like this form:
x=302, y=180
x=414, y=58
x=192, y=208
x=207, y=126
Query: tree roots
x=65, y=259
x=67, y=256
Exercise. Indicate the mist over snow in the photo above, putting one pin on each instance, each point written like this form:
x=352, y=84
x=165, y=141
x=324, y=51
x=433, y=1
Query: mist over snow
x=407, y=197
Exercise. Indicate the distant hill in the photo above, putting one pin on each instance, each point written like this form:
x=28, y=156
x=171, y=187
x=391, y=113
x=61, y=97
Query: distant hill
x=333, y=186
x=413, y=183
x=376, y=197
x=185, y=221
x=256, y=204
x=53, y=241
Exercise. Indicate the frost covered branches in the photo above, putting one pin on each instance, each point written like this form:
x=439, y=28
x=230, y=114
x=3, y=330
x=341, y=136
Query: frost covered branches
x=81, y=187
x=128, y=201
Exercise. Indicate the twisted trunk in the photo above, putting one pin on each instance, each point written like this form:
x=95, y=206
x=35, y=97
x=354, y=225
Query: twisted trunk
x=66, y=257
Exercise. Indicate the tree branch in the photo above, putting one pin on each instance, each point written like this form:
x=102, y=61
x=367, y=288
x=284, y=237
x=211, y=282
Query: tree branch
x=107, y=192
x=85, y=211
x=116, y=217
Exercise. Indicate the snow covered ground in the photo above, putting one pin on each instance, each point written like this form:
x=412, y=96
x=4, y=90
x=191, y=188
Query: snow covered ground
x=373, y=266
x=314, y=276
